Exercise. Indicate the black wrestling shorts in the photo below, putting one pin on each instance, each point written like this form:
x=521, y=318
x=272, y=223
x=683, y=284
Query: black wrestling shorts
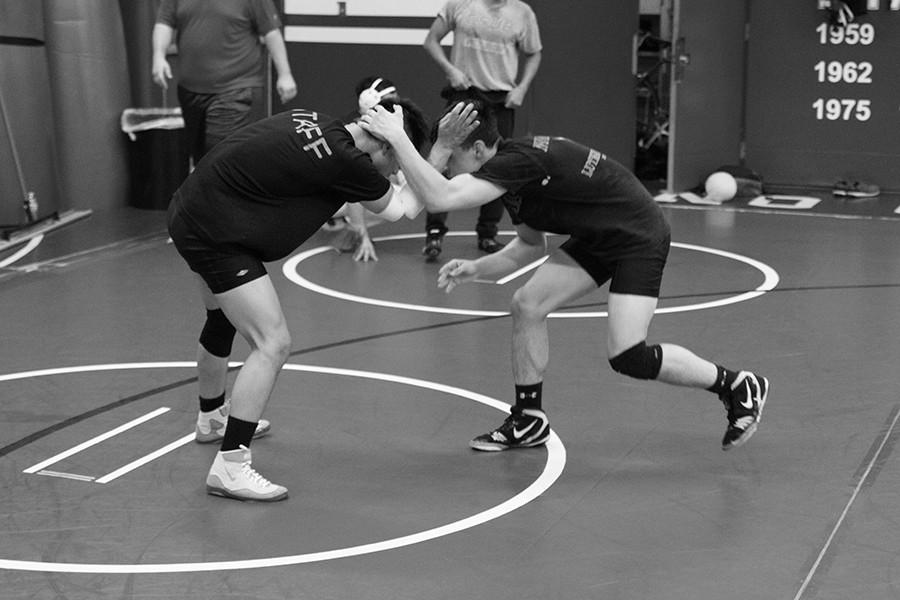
x=223, y=267
x=638, y=273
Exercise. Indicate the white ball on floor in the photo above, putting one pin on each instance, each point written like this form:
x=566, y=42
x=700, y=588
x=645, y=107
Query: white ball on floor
x=721, y=186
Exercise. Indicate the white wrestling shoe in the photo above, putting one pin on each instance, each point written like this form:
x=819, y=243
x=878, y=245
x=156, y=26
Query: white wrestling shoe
x=232, y=476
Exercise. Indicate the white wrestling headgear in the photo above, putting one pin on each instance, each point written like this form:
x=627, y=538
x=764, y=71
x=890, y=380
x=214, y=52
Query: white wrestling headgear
x=371, y=96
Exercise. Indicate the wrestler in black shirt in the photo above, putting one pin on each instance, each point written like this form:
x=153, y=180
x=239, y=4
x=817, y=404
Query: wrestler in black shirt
x=616, y=232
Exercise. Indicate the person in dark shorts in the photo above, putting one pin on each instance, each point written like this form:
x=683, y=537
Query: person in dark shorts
x=617, y=234
x=254, y=198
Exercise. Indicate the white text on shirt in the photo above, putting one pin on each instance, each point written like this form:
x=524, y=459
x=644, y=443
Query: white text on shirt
x=306, y=123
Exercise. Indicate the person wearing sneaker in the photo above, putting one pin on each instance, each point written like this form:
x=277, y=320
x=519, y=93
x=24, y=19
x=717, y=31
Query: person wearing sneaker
x=490, y=37
x=618, y=234
x=303, y=165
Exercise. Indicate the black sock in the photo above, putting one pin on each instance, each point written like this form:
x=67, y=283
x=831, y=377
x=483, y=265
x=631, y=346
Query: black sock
x=208, y=404
x=529, y=396
x=724, y=379
x=237, y=433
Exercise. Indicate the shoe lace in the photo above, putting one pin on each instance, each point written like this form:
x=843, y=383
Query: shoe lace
x=516, y=420
x=504, y=432
x=250, y=473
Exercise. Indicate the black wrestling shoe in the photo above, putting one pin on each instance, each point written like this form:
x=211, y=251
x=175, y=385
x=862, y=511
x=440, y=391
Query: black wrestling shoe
x=523, y=428
x=744, y=405
x=489, y=245
x=433, y=240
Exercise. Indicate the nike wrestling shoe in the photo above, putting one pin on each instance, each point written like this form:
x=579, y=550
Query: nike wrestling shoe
x=523, y=428
x=744, y=404
x=233, y=476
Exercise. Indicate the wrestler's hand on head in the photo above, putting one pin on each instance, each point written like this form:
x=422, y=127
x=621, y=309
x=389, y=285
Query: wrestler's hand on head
x=455, y=126
x=383, y=123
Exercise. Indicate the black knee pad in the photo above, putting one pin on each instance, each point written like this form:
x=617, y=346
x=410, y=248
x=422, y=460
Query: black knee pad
x=640, y=361
x=218, y=334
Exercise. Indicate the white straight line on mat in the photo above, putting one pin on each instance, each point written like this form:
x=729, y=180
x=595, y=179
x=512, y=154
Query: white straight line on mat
x=74, y=476
x=96, y=440
x=143, y=461
x=862, y=480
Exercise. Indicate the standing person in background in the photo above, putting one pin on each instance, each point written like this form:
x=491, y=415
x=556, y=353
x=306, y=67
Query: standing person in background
x=222, y=65
x=489, y=37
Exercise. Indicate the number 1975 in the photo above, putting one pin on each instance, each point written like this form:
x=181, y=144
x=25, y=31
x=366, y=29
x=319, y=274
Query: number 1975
x=842, y=109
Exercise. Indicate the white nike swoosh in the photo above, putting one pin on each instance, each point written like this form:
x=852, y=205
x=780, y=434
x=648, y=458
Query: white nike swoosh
x=517, y=433
x=749, y=403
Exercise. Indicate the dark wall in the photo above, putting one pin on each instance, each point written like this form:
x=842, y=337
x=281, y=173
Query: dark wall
x=68, y=68
x=326, y=75
x=584, y=88
x=791, y=140
x=96, y=61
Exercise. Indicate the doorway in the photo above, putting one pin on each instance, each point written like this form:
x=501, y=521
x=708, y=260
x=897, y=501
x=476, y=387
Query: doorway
x=652, y=73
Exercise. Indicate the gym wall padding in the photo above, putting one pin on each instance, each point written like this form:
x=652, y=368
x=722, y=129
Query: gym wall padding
x=90, y=84
x=137, y=22
x=27, y=134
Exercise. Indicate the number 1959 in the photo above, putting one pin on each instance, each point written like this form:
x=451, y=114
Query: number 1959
x=842, y=109
x=852, y=34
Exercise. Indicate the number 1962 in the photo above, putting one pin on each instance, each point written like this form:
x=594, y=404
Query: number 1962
x=849, y=72
x=842, y=109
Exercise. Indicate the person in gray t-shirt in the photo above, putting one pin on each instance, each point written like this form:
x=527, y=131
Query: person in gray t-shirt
x=221, y=64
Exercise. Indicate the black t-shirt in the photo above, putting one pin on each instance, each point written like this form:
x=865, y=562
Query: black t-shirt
x=271, y=185
x=560, y=186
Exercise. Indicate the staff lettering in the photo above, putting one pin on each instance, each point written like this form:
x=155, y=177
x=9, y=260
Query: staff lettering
x=307, y=123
